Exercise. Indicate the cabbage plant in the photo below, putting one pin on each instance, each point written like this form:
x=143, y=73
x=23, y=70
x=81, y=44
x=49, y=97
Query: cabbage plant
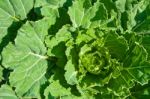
x=75, y=49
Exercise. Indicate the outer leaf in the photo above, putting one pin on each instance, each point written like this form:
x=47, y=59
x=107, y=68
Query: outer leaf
x=58, y=87
x=27, y=58
x=101, y=13
x=70, y=67
x=49, y=8
x=39, y=3
x=143, y=21
x=133, y=10
x=10, y=8
x=71, y=73
x=9, y=12
x=51, y=3
x=101, y=17
x=117, y=45
x=136, y=69
x=6, y=92
x=56, y=45
x=85, y=36
x=56, y=3
x=85, y=13
x=62, y=35
x=56, y=90
x=120, y=5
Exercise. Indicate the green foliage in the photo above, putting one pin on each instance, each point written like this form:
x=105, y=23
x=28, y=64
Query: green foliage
x=75, y=49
